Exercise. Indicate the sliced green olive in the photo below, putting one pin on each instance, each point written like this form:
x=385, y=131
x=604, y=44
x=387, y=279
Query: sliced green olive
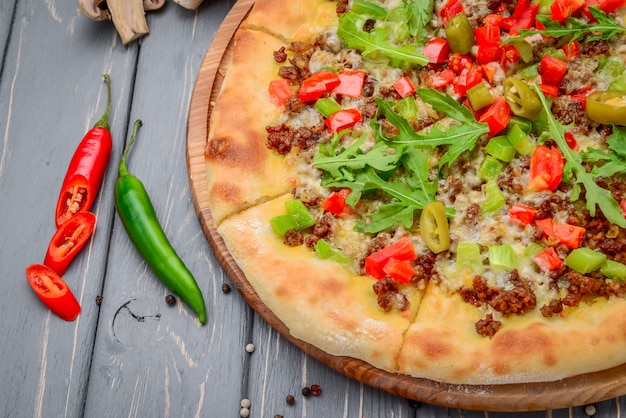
x=434, y=227
x=460, y=34
x=523, y=101
x=607, y=107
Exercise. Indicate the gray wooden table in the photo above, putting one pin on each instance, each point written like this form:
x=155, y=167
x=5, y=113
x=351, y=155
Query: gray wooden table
x=133, y=355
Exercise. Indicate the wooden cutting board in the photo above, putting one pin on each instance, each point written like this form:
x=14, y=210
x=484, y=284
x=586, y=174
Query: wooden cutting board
x=579, y=390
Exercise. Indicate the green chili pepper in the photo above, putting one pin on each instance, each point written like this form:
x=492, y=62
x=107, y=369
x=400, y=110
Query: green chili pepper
x=460, y=34
x=607, y=107
x=135, y=209
x=613, y=269
x=523, y=101
x=519, y=139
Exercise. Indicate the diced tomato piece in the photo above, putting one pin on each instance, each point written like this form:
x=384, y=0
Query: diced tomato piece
x=335, y=203
x=607, y=6
x=401, y=270
x=497, y=116
x=548, y=259
x=401, y=250
x=320, y=83
x=451, y=9
x=552, y=70
x=571, y=49
x=487, y=35
x=437, y=50
x=350, y=83
x=549, y=90
x=441, y=79
x=489, y=72
x=569, y=235
x=487, y=53
x=522, y=214
x=622, y=205
x=546, y=169
x=571, y=140
x=520, y=8
x=280, y=91
x=404, y=87
x=523, y=18
x=468, y=79
x=508, y=55
x=344, y=119
x=459, y=62
x=562, y=9
x=546, y=225
x=493, y=20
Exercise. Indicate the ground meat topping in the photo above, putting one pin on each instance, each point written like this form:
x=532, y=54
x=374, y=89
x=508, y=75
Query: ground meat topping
x=389, y=296
x=488, y=327
x=283, y=138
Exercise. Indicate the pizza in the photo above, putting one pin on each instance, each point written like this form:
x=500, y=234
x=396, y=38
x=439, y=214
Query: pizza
x=436, y=188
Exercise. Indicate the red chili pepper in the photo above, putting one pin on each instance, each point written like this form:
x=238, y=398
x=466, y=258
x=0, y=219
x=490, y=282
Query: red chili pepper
x=571, y=140
x=508, y=55
x=549, y=90
x=401, y=270
x=404, y=87
x=401, y=250
x=571, y=49
x=522, y=214
x=343, y=119
x=523, y=18
x=53, y=291
x=68, y=240
x=437, y=50
x=350, y=83
x=548, y=259
x=562, y=9
x=552, y=70
x=87, y=167
x=451, y=9
x=280, y=91
x=497, y=116
x=546, y=169
x=459, y=62
x=314, y=87
x=335, y=203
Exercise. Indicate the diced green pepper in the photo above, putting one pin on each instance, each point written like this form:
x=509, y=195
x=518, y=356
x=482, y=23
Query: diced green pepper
x=324, y=250
x=585, y=260
x=479, y=96
x=500, y=148
x=502, y=258
x=460, y=34
x=283, y=223
x=520, y=140
x=468, y=258
x=327, y=106
x=490, y=168
x=494, y=198
x=532, y=249
x=300, y=212
x=523, y=123
x=407, y=108
x=613, y=269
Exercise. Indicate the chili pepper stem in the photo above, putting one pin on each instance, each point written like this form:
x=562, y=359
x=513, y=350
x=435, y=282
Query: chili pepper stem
x=123, y=171
x=104, y=120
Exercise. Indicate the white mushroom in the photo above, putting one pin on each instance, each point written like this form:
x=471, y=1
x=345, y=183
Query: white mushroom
x=189, y=4
x=94, y=9
x=129, y=19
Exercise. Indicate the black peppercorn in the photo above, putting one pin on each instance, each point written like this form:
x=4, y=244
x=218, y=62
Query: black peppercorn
x=98, y=300
x=414, y=404
x=306, y=392
x=225, y=288
x=170, y=300
x=290, y=400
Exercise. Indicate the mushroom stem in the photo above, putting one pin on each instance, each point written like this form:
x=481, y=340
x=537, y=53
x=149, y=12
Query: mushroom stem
x=94, y=9
x=129, y=19
x=189, y=4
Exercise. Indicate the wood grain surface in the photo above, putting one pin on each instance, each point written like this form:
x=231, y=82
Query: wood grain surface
x=577, y=390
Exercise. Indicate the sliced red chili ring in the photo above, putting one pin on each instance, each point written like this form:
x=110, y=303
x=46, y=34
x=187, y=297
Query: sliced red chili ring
x=53, y=291
x=68, y=240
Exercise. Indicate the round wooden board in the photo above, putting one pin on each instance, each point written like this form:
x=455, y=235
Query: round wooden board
x=578, y=390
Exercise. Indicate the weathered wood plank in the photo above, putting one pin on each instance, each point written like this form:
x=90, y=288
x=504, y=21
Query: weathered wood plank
x=6, y=15
x=151, y=359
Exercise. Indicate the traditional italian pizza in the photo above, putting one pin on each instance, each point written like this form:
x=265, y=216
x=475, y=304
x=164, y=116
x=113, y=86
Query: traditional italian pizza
x=437, y=188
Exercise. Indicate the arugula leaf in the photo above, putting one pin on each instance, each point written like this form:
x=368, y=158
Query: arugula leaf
x=458, y=138
x=604, y=29
x=420, y=15
x=615, y=160
x=595, y=195
x=375, y=42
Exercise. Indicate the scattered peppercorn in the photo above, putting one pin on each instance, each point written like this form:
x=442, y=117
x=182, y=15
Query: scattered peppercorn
x=278, y=416
x=98, y=300
x=225, y=288
x=244, y=413
x=250, y=348
x=590, y=410
x=290, y=400
x=245, y=403
x=306, y=392
x=316, y=390
x=170, y=300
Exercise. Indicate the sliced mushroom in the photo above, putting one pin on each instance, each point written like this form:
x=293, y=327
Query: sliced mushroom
x=129, y=19
x=189, y=4
x=153, y=4
x=94, y=9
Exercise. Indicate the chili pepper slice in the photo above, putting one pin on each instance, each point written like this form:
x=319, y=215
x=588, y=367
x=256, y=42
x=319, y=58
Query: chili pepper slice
x=607, y=107
x=434, y=227
x=68, y=240
x=53, y=291
x=87, y=167
x=521, y=98
x=137, y=213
